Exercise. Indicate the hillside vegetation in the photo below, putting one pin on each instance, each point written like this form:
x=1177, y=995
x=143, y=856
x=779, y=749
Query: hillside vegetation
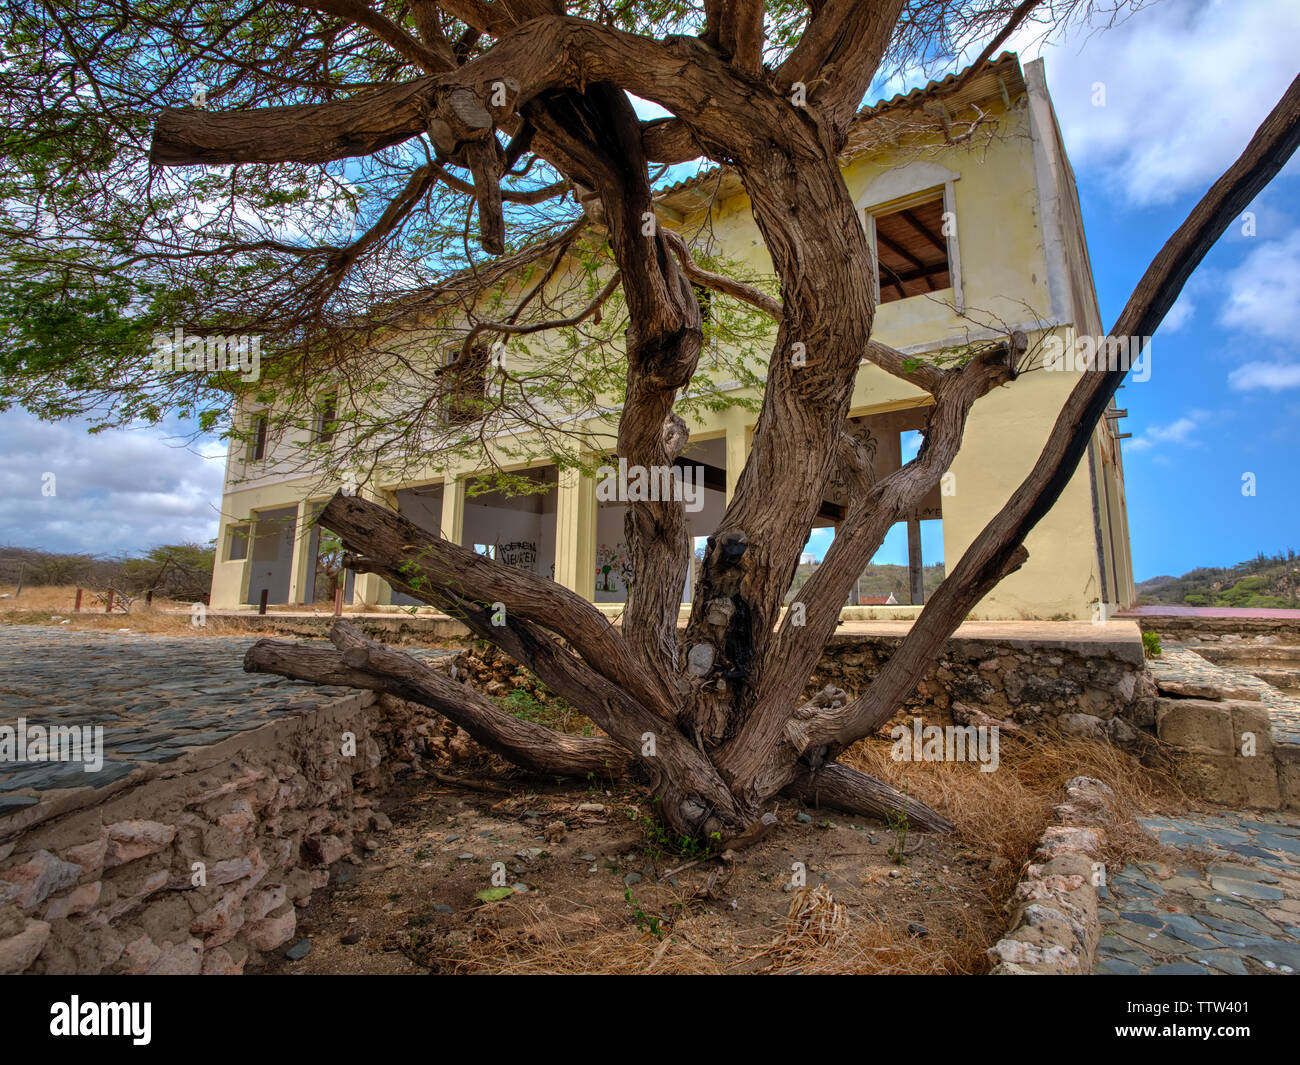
x=174, y=571
x=1263, y=581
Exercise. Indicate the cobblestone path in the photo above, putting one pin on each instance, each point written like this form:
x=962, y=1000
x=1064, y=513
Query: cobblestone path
x=1241, y=915
x=155, y=696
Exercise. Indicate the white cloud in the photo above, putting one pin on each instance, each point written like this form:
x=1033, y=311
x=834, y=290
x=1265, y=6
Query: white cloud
x=1186, y=85
x=122, y=490
x=1263, y=290
x=1178, y=432
x=1179, y=315
x=1273, y=376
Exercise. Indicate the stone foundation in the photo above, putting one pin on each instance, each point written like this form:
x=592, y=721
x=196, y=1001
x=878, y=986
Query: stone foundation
x=1094, y=687
x=1237, y=737
x=198, y=865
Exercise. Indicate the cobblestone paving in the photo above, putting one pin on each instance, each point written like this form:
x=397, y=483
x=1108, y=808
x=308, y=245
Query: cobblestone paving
x=1240, y=915
x=155, y=696
x=1180, y=662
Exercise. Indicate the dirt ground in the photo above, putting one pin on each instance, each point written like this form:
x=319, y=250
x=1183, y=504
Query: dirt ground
x=586, y=871
x=597, y=889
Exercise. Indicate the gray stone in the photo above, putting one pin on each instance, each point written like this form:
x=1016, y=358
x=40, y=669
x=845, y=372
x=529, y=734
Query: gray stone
x=299, y=950
x=1244, y=888
x=1115, y=967
x=1223, y=960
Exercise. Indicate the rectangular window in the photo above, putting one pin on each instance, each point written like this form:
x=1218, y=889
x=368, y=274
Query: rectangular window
x=257, y=445
x=464, y=384
x=912, y=250
x=325, y=421
x=237, y=543
x=704, y=297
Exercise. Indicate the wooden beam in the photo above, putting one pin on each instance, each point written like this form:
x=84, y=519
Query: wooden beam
x=915, y=569
x=898, y=249
x=937, y=240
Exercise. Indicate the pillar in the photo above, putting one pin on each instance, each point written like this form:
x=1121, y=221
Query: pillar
x=575, y=533
x=302, y=567
x=915, y=570
x=737, y=455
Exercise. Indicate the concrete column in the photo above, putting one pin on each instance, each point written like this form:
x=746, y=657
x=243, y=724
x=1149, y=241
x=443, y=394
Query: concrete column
x=302, y=568
x=737, y=454
x=453, y=510
x=575, y=533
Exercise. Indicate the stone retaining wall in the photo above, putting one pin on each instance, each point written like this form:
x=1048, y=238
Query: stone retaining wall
x=198, y=865
x=1084, y=688
x=1055, y=923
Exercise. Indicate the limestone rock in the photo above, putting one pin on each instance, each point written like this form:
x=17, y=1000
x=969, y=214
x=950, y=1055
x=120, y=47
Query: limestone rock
x=129, y=840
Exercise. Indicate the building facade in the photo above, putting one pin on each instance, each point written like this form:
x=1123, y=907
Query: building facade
x=976, y=237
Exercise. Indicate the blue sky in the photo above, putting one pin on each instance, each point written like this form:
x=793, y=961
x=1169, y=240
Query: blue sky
x=1186, y=83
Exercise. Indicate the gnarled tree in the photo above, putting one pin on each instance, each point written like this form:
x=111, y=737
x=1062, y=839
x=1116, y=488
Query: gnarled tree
x=464, y=98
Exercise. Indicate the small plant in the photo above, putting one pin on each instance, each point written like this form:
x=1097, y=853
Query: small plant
x=897, y=823
x=1151, y=644
x=644, y=922
x=658, y=843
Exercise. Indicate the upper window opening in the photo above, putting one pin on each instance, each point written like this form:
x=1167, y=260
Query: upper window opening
x=326, y=419
x=257, y=446
x=912, y=251
x=465, y=383
x=704, y=297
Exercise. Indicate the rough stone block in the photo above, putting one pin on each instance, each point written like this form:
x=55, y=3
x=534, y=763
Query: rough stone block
x=41, y=875
x=17, y=952
x=129, y=840
x=1196, y=725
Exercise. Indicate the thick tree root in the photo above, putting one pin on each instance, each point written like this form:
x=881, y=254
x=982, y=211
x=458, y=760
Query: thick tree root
x=842, y=788
x=360, y=663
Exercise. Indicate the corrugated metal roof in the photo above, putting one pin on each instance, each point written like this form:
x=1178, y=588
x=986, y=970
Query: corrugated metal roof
x=998, y=75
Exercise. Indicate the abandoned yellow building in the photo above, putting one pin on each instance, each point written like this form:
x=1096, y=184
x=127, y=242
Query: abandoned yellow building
x=975, y=239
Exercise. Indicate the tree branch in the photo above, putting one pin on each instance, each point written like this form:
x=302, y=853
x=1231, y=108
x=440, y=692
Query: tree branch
x=430, y=59
x=842, y=788
x=443, y=573
x=525, y=743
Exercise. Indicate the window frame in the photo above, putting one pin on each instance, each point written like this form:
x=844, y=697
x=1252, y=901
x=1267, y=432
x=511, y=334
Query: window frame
x=907, y=186
x=261, y=425
x=329, y=406
x=234, y=530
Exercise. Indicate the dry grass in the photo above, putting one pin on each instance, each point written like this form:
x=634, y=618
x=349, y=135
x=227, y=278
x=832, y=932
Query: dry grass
x=53, y=605
x=1004, y=813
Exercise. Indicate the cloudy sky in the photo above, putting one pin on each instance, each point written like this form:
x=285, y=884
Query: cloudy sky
x=1186, y=84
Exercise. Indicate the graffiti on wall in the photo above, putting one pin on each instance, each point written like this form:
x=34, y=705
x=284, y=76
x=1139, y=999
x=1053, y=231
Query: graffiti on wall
x=613, y=568
x=521, y=554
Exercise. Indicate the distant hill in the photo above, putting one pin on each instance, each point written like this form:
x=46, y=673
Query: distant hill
x=878, y=581
x=1263, y=581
